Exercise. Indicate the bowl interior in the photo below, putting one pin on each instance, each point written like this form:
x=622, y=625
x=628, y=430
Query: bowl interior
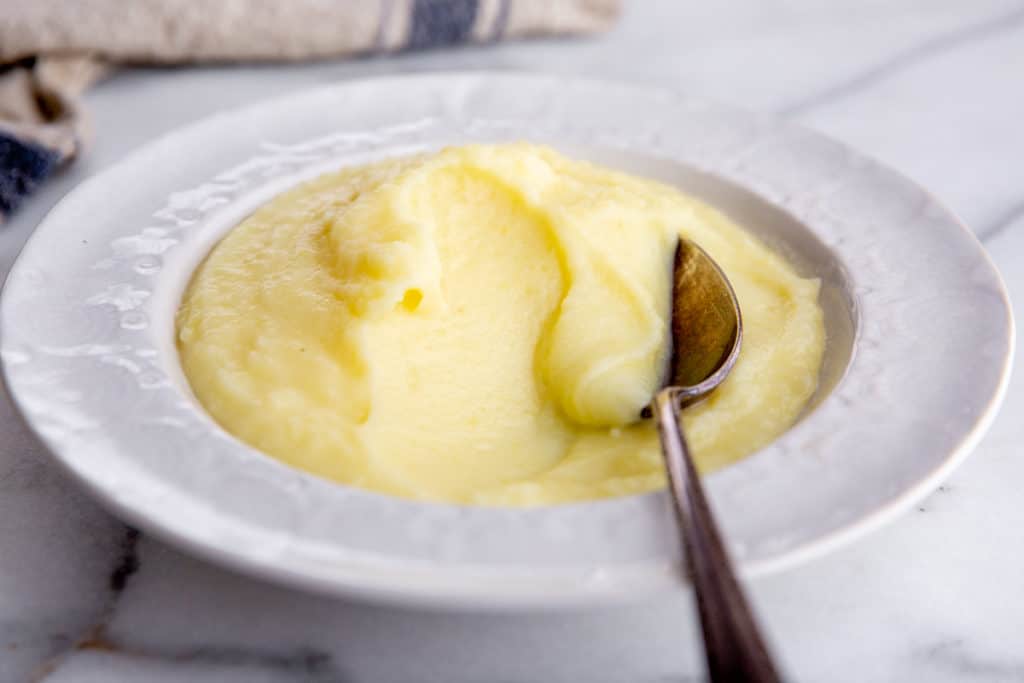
x=777, y=228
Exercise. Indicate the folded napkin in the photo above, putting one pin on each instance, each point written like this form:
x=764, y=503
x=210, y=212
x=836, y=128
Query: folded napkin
x=52, y=50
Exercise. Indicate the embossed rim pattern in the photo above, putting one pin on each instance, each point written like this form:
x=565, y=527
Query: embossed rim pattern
x=87, y=348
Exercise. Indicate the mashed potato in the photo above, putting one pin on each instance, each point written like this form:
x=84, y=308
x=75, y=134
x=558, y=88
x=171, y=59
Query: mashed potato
x=483, y=325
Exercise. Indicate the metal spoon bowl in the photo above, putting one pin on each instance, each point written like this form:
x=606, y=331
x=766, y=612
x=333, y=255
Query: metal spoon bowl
x=707, y=331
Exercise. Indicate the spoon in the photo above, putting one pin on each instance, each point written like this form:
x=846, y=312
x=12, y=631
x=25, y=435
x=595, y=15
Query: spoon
x=706, y=333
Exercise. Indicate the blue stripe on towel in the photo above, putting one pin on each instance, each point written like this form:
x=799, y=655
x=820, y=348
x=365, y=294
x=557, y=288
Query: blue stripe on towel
x=23, y=165
x=501, y=23
x=441, y=22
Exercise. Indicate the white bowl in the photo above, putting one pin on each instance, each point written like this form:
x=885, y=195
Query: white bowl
x=919, y=344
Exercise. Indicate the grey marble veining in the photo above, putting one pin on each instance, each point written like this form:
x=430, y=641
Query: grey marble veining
x=917, y=53
x=932, y=87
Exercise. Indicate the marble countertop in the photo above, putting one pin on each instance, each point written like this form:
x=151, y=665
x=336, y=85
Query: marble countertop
x=932, y=87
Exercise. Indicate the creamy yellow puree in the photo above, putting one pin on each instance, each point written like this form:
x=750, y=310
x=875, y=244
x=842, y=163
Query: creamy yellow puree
x=483, y=325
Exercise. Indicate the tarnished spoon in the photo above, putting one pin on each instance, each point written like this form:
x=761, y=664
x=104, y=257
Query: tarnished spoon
x=707, y=330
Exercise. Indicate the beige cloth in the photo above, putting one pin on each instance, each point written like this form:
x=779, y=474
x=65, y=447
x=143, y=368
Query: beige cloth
x=39, y=104
x=233, y=30
x=54, y=49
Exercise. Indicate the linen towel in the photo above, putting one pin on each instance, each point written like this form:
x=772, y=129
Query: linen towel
x=52, y=50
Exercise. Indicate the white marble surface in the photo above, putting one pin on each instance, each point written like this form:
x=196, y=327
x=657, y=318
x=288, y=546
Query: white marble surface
x=933, y=87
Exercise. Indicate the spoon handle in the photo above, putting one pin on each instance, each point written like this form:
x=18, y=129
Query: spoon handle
x=733, y=645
